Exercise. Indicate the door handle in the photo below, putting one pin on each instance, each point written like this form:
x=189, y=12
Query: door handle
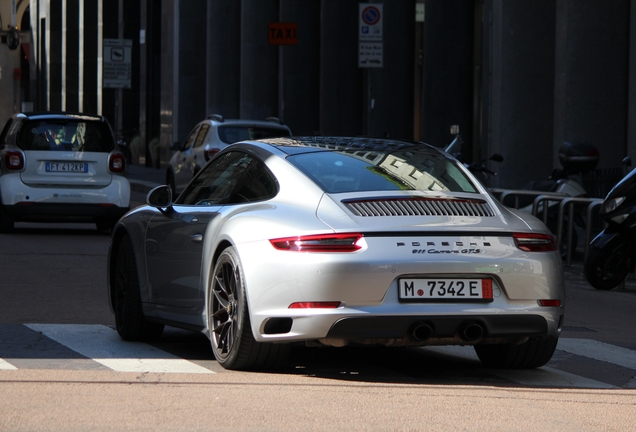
x=196, y=238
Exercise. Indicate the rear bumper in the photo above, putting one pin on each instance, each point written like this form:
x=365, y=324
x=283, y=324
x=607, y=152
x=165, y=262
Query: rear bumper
x=58, y=203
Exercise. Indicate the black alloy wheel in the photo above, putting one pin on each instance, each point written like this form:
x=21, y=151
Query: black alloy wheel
x=229, y=325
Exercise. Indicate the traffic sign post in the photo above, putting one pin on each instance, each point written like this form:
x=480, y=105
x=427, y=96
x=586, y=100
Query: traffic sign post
x=370, y=46
x=117, y=63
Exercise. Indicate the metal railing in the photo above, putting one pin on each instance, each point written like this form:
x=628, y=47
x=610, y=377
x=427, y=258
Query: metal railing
x=540, y=208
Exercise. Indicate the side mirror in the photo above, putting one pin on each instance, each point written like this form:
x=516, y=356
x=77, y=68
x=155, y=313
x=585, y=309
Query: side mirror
x=160, y=197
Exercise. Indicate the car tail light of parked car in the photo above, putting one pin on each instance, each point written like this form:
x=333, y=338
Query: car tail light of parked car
x=320, y=243
x=117, y=163
x=14, y=161
x=210, y=152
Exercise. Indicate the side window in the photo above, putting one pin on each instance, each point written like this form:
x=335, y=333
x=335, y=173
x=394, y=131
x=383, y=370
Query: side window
x=190, y=139
x=203, y=132
x=5, y=132
x=256, y=184
x=216, y=181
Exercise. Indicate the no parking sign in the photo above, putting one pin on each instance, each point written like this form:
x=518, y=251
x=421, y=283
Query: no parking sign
x=370, y=22
x=370, y=47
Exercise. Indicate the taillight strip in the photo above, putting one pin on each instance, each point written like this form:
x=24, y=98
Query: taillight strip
x=342, y=242
x=533, y=242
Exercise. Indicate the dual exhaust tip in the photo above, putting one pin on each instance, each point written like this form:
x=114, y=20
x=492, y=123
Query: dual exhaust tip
x=468, y=331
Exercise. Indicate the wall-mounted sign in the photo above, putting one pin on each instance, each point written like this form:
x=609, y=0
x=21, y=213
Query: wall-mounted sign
x=370, y=45
x=280, y=33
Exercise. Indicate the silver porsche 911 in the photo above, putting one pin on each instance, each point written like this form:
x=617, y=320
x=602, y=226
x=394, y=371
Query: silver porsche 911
x=337, y=241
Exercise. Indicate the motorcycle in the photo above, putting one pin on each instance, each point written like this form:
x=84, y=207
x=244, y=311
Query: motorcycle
x=612, y=253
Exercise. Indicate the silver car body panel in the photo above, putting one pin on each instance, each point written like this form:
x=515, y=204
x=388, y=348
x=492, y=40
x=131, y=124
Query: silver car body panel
x=365, y=282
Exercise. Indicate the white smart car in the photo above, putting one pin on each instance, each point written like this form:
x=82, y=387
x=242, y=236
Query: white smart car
x=208, y=138
x=60, y=167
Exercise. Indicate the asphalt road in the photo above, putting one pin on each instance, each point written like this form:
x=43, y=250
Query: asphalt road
x=62, y=366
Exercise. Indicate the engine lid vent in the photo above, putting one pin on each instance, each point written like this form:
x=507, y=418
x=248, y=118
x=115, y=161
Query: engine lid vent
x=418, y=207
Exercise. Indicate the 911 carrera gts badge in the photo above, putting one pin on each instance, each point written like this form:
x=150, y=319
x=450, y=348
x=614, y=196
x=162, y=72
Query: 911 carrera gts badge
x=473, y=249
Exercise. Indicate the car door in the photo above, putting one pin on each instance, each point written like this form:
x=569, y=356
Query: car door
x=184, y=161
x=175, y=237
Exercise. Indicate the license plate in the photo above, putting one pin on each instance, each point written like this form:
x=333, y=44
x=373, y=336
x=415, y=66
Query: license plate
x=66, y=167
x=445, y=289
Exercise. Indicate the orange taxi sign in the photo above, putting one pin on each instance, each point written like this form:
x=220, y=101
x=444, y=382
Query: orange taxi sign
x=283, y=33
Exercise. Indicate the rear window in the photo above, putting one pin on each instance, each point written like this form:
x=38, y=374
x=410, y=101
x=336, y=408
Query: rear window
x=64, y=135
x=358, y=171
x=231, y=134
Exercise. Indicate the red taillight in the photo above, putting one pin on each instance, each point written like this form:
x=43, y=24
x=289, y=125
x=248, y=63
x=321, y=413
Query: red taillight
x=209, y=153
x=549, y=303
x=320, y=243
x=14, y=160
x=315, y=305
x=531, y=242
x=117, y=163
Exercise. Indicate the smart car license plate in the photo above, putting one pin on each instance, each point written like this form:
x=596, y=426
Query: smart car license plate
x=446, y=289
x=66, y=167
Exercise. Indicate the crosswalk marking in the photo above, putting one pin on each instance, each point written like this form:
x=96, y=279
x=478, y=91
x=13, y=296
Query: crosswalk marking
x=599, y=351
x=5, y=365
x=103, y=345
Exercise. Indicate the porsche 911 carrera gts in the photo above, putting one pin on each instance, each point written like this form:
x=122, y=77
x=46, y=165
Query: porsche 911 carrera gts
x=337, y=241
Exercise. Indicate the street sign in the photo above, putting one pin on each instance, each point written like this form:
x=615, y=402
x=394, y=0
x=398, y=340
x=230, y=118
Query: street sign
x=370, y=54
x=370, y=22
x=370, y=46
x=117, y=63
x=283, y=33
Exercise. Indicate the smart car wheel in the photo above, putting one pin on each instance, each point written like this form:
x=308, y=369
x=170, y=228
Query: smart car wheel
x=533, y=353
x=129, y=318
x=6, y=221
x=231, y=335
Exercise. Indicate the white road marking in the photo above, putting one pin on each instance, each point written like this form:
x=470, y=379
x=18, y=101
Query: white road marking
x=599, y=351
x=5, y=365
x=103, y=345
x=544, y=376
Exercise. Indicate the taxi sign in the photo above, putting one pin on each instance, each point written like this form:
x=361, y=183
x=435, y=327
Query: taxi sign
x=283, y=33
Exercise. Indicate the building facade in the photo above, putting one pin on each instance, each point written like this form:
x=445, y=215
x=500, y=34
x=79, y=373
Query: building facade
x=515, y=77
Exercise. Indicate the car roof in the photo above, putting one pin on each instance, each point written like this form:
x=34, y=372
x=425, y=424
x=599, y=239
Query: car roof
x=307, y=144
x=219, y=120
x=60, y=116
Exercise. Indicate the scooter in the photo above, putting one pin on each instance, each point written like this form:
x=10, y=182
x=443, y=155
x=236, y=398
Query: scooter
x=612, y=253
x=576, y=160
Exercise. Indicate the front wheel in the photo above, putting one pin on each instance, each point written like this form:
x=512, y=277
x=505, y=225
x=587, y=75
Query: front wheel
x=531, y=354
x=229, y=325
x=607, y=267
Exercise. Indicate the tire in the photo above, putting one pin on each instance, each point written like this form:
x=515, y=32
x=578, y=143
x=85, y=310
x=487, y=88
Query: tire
x=608, y=267
x=129, y=317
x=229, y=325
x=6, y=221
x=531, y=354
x=105, y=224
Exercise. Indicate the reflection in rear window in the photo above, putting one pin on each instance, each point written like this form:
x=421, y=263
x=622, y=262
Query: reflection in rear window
x=232, y=134
x=64, y=135
x=356, y=171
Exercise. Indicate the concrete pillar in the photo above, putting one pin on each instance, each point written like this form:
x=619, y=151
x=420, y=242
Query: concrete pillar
x=259, y=60
x=301, y=67
x=169, y=112
x=591, y=86
x=518, y=100
x=72, y=55
x=223, y=58
x=341, y=80
x=631, y=120
x=54, y=55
